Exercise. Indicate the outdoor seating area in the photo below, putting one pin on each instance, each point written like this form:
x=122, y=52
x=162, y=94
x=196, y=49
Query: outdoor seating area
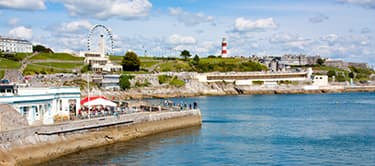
x=100, y=106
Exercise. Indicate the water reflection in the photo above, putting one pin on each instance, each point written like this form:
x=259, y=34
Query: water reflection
x=127, y=153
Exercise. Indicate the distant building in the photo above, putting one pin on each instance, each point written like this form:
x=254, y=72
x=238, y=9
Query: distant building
x=359, y=65
x=99, y=60
x=15, y=45
x=111, y=82
x=294, y=60
x=320, y=80
x=336, y=63
x=247, y=78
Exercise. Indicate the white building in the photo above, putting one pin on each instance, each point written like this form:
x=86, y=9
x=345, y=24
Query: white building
x=43, y=105
x=99, y=60
x=320, y=80
x=247, y=78
x=15, y=45
x=111, y=82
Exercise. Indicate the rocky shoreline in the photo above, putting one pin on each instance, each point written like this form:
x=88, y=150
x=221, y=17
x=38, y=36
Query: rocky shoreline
x=147, y=93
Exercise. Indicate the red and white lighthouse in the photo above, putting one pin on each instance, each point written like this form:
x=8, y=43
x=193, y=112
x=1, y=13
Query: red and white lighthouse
x=224, y=47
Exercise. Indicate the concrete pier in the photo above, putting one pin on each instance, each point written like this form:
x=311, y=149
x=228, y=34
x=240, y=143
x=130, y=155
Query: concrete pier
x=30, y=146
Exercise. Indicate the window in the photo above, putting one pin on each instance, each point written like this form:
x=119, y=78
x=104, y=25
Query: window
x=60, y=103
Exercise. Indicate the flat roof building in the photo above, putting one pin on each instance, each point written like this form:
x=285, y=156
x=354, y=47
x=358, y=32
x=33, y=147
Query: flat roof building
x=15, y=45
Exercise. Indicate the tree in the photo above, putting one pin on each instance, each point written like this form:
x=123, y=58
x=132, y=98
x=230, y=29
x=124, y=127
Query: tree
x=320, y=61
x=196, y=60
x=331, y=73
x=186, y=54
x=41, y=48
x=125, y=81
x=131, y=62
x=351, y=75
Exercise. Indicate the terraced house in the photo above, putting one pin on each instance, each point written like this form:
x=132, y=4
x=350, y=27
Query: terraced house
x=15, y=45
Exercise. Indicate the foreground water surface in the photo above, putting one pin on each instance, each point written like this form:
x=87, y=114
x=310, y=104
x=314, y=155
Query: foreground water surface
x=321, y=129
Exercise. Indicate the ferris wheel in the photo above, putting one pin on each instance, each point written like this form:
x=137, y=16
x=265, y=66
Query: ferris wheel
x=97, y=34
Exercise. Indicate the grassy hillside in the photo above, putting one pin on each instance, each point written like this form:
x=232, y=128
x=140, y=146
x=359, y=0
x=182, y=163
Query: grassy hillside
x=32, y=69
x=2, y=72
x=210, y=65
x=9, y=64
x=61, y=65
x=57, y=56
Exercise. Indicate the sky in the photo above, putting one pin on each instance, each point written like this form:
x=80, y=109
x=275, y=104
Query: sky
x=336, y=29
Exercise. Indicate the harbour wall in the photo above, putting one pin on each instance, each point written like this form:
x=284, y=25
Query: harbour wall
x=34, y=145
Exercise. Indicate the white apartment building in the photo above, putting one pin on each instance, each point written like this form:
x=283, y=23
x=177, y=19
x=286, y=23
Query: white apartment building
x=15, y=45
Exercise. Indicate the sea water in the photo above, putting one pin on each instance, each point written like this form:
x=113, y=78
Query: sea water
x=313, y=129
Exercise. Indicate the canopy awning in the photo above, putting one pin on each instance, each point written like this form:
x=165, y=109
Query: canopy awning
x=86, y=99
x=100, y=101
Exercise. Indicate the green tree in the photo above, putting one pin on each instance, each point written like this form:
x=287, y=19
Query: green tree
x=186, y=54
x=196, y=60
x=351, y=75
x=131, y=62
x=125, y=81
x=320, y=61
x=41, y=48
x=331, y=73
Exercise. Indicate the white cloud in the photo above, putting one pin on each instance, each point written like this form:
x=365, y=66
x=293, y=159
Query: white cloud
x=13, y=21
x=245, y=25
x=75, y=26
x=190, y=19
x=21, y=32
x=105, y=9
x=318, y=18
x=178, y=39
x=364, y=3
x=23, y=4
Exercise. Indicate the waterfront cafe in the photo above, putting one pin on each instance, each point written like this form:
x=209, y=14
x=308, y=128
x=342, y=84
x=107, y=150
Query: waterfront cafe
x=42, y=105
x=96, y=106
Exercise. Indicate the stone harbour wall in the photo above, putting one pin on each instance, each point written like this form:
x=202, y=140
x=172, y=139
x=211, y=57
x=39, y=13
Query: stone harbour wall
x=30, y=146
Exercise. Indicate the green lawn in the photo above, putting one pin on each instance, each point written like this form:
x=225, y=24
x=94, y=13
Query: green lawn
x=61, y=65
x=135, y=72
x=147, y=64
x=9, y=64
x=22, y=56
x=220, y=60
x=2, y=72
x=56, y=56
x=32, y=69
x=116, y=58
x=175, y=65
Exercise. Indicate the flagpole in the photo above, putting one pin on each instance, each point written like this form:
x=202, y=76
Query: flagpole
x=88, y=94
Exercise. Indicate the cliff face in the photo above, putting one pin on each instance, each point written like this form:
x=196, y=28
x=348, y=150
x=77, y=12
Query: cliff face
x=33, y=147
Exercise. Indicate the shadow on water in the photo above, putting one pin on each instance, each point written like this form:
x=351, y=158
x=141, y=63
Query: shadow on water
x=224, y=121
x=114, y=154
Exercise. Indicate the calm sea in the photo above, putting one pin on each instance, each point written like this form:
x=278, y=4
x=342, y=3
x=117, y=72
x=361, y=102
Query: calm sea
x=321, y=129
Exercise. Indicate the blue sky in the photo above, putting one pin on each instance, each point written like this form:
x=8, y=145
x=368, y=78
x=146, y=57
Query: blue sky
x=340, y=29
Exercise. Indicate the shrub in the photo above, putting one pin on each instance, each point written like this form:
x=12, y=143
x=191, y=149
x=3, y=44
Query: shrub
x=331, y=73
x=164, y=79
x=145, y=83
x=258, y=82
x=177, y=82
x=125, y=81
x=86, y=68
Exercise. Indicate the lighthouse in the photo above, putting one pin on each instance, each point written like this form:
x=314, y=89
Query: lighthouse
x=224, y=47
